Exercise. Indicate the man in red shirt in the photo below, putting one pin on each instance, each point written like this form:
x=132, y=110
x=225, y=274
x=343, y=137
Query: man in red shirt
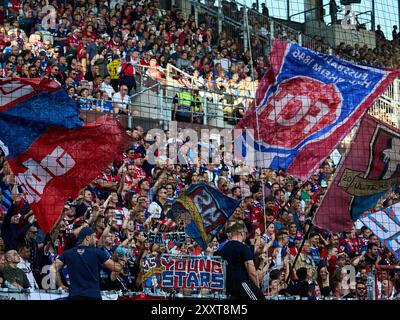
x=74, y=39
x=127, y=75
x=138, y=173
x=105, y=183
x=128, y=182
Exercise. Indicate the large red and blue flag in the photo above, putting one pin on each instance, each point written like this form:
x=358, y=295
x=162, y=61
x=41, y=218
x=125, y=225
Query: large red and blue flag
x=50, y=151
x=305, y=105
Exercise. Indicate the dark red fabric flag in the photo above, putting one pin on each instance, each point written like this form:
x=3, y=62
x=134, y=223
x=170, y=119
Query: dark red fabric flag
x=63, y=161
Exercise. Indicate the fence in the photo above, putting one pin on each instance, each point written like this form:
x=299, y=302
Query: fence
x=153, y=106
x=386, y=282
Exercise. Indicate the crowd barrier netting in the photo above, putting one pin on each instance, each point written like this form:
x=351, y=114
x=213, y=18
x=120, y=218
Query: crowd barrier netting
x=299, y=106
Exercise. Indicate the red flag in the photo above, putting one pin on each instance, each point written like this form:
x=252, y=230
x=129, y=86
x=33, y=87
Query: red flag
x=63, y=161
x=370, y=170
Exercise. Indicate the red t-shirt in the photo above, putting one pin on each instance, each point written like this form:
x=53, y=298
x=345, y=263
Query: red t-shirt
x=71, y=41
x=127, y=69
x=139, y=173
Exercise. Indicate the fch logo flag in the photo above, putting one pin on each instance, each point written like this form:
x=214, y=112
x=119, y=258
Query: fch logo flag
x=306, y=103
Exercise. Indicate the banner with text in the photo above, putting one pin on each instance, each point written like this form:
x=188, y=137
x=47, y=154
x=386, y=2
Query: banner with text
x=184, y=272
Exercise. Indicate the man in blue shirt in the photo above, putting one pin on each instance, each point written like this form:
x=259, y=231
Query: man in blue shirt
x=84, y=262
x=242, y=279
x=314, y=249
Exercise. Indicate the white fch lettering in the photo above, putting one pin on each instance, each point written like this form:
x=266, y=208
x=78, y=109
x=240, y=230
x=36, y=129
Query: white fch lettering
x=35, y=179
x=301, y=113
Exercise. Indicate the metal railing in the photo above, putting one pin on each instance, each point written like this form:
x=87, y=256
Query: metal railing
x=308, y=11
x=228, y=21
x=155, y=103
x=46, y=295
x=387, y=107
x=154, y=107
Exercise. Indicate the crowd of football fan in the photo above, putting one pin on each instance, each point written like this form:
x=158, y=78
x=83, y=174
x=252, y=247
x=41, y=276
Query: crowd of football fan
x=132, y=197
x=93, y=45
x=94, y=49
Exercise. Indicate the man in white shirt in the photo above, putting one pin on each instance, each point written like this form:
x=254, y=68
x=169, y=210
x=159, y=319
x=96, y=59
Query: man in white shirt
x=25, y=254
x=121, y=100
x=107, y=87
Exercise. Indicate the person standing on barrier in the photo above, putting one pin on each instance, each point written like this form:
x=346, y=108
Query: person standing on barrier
x=242, y=280
x=83, y=264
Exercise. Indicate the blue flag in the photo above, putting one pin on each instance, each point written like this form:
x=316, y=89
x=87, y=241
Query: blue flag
x=208, y=209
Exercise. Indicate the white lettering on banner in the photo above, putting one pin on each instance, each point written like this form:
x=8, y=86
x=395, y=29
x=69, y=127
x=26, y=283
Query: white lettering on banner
x=385, y=227
x=12, y=91
x=204, y=203
x=58, y=162
x=35, y=179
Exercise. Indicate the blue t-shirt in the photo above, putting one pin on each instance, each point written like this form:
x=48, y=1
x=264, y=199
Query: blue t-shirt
x=236, y=254
x=315, y=255
x=84, y=264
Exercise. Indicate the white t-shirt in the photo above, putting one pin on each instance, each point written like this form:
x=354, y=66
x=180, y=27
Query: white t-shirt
x=107, y=88
x=225, y=64
x=26, y=267
x=154, y=208
x=123, y=102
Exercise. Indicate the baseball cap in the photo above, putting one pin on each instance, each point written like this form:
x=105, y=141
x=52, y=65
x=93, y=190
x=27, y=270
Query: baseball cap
x=86, y=231
x=137, y=156
x=121, y=251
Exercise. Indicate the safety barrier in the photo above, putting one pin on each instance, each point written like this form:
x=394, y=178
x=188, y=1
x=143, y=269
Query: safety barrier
x=387, y=282
x=35, y=295
x=47, y=295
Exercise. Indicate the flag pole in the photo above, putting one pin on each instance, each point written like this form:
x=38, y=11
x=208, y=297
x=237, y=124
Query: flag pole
x=255, y=109
x=291, y=267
